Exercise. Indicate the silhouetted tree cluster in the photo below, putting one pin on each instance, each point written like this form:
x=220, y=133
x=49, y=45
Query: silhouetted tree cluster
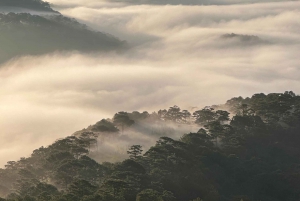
x=174, y=114
x=251, y=154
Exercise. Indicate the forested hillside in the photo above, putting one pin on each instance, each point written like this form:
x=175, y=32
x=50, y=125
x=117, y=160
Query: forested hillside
x=246, y=149
x=24, y=33
x=30, y=4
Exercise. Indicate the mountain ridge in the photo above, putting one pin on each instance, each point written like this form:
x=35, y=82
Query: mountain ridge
x=38, y=5
x=249, y=155
x=24, y=34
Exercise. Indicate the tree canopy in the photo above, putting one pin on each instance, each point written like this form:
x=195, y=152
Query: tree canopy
x=248, y=152
x=29, y=4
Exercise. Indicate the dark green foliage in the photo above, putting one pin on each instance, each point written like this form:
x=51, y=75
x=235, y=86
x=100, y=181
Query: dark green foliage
x=122, y=120
x=81, y=188
x=30, y=4
x=26, y=34
x=175, y=115
x=3, y=190
x=204, y=116
x=208, y=115
x=41, y=191
x=135, y=151
x=104, y=126
x=136, y=116
x=149, y=195
x=249, y=157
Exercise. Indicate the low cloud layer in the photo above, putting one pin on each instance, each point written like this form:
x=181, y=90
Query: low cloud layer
x=178, y=56
x=113, y=3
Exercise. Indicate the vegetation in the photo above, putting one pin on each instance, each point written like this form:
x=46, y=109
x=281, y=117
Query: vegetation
x=250, y=154
x=25, y=34
x=30, y=4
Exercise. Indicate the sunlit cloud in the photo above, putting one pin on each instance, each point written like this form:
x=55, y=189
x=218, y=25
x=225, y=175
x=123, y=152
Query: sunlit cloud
x=178, y=56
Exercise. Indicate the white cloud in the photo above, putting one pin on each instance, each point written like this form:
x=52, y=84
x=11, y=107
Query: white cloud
x=178, y=57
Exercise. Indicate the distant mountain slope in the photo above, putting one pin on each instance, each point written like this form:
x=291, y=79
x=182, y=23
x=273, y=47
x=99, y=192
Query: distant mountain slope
x=30, y=4
x=193, y=2
x=251, y=154
x=241, y=39
x=26, y=34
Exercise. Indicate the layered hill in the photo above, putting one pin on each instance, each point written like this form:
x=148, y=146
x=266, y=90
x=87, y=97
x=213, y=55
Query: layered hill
x=246, y=149
x=29, y=34
x=37, y=5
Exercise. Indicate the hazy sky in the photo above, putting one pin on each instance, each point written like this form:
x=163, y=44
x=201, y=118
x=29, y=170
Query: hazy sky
x=179, y=55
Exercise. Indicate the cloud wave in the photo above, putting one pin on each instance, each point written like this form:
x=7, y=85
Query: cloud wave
x=178, y=57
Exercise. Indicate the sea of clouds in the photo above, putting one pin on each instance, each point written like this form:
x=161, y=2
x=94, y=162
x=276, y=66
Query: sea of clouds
x=179, y=54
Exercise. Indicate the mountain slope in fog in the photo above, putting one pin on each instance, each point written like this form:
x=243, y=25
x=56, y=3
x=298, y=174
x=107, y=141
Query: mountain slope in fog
x=192, y=2
x=26, y=34
x=32, y=27
x=252, y=154
x=36, y=5
x=245, y=40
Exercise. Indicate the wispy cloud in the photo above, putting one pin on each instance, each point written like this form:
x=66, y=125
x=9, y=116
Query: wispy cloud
x=97, y=3
x=178, y=57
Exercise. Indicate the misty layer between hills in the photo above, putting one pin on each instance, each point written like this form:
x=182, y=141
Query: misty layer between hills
x=160, y=2
x=227, y=152
x=179, y=57
x=33, y=28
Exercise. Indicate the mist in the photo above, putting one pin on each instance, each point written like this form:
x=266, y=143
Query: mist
x=178, y=56
x=113, y=146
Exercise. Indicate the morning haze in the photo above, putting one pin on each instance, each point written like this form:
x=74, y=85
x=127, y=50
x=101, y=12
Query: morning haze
x=66, y=65
x=176, y=51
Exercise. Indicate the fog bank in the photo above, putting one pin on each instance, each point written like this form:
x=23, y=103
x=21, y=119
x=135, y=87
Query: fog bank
x=179, y=56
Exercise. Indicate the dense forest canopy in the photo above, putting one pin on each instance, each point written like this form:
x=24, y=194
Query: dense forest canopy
x=246, y=149
x=26, y=34
x=30, y=4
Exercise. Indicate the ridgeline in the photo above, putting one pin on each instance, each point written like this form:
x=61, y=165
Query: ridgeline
x=24, y=33
x=246, y=149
